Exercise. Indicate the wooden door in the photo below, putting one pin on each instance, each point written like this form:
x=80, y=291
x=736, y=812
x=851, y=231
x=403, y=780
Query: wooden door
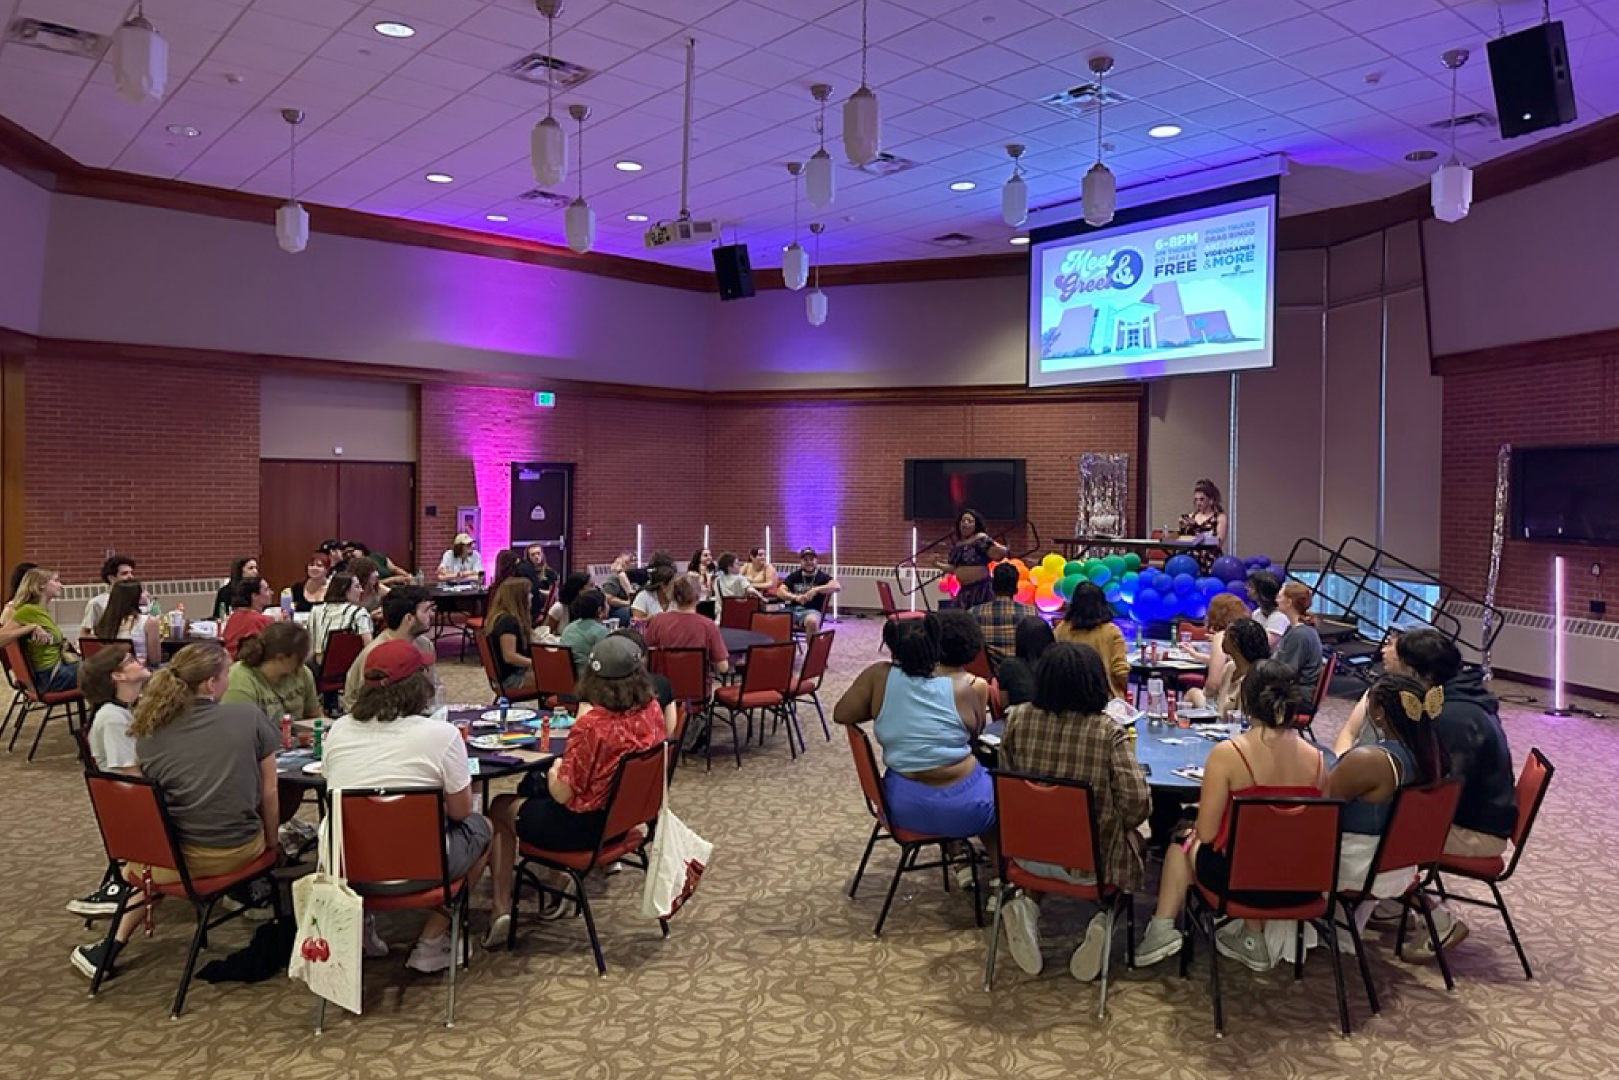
x=376, y=502
x=298, y=503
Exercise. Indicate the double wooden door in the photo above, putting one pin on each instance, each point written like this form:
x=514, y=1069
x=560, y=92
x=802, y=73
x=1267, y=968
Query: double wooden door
x=302, y=503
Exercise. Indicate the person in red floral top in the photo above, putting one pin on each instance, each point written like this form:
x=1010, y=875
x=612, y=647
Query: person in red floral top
x=618, y=715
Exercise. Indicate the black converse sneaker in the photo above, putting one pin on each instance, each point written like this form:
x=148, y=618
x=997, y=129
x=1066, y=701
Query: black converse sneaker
x=87, y=958
x=101, y=903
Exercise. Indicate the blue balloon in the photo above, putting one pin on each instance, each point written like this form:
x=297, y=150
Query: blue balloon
x=1228, y=568
x=1162, y=581
x=1209, y=586
x=1198, y=610
x=1112, y=591
x=1121, y=608
x=1238, y=589
x=1183, y=584
x=1180, y=564
x=1147, y=601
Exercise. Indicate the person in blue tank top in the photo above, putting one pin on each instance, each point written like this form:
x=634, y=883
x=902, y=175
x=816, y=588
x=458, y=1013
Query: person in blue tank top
x=925, y=723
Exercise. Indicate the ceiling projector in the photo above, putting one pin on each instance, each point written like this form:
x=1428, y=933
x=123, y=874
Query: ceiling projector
x=682, y=232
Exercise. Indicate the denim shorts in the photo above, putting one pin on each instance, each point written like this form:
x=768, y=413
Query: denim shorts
x=965, y=808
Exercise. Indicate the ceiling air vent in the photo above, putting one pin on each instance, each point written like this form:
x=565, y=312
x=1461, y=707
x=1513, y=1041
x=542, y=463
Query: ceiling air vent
x=548, y=199
x=542, y=70
x=1078, y=100
x=885, y=164
x=56, y=38
x=952, y=240
x=1461, y=123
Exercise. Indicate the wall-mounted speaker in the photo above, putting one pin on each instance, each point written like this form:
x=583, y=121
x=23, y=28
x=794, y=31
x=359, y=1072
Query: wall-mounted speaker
x=734, y=271
x=1534, y=88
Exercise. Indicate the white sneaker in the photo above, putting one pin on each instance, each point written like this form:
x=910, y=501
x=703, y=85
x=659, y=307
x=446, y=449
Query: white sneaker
x=430, y=955
x=1086, y=963
x=372, y=944
x=499, y=927
x=1160, y=942
x=1022, y=922
x=1234, y=942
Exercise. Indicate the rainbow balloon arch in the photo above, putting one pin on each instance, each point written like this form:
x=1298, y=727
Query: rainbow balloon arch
x=1143, y=594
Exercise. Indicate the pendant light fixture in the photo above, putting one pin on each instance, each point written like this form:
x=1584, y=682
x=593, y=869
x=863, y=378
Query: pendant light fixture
x=815, y=302
x=548, y=143
x=579, y=222
x=794, y=259
x=1015, y=192
x=1098, y=191
x=291, y=219
x=1451, y=189
x=818, y=181
x=862, y=119
x=140, y=59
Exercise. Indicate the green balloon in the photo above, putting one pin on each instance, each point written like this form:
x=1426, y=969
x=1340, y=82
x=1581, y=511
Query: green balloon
x=1130, y=577
x=1066, y=586
x=1099, y=572
x=1115, y=564
x=1132, y=561
x=1072, y=568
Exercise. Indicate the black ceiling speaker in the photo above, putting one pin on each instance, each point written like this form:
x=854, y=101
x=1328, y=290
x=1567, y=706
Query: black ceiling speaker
x=1534, y=88
x=734, y=271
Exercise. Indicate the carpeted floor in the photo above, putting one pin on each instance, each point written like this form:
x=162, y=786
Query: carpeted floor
x=773, y=972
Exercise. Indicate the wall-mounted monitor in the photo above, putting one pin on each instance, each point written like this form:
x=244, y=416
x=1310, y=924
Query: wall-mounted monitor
x=941, y=488
x=1566, y=494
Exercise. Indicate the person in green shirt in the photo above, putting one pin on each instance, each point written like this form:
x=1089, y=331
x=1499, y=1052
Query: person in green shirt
x=584, y=627
x=270, y=672
x=389, y=571
x=50, y=658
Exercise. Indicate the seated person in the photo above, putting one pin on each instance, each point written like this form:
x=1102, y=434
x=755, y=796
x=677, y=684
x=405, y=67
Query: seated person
x=340, y=612
x=1263, y=591
x=117, y=568
x=1468, y=725
x=925, y=724
x=1270, y=759
x=1064, y=734
x=960, y=643
x=389, y=572
x=245, y=567
x=534, y=556
x=1243, y=644
x=316, y=578
x=216, y=767
x=657, y=595
x=618, y=715
x=759, y=573
x=461, y=563
x=681, y=627
x=248, y=602
x=1015, y=676
x=556, y=618
x=1406, y=755
x=999, y=617
x=1356, y=730
x=508, y=626
x=48, y=654
x=407, y=615
x=372, y=590
x=619, y=589
x=806, y=590
x=584, y=628
x=701, y=570
x=1300, y=645
x=124, y=618
x=390, y=741
x=112, y=680
x=18, y=572
x=730, y=583
x=1224, y=609
x=1089, y=621
x=270, y=673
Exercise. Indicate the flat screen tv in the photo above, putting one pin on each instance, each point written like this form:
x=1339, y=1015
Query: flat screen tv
x=941, y=488
x=1566, y=494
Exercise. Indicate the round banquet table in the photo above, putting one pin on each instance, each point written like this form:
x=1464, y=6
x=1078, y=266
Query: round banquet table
x=740, y=641
x=1161, y=747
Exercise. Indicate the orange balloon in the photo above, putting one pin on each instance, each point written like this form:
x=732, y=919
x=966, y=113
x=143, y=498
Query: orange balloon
x=1022, y=569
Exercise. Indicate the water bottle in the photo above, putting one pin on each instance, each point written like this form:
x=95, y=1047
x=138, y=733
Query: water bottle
x=1155, y=697
x=504, y=706
x=286, y=604
x=318, y=739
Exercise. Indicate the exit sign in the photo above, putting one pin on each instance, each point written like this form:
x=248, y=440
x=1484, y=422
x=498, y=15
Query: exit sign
x=544, y=399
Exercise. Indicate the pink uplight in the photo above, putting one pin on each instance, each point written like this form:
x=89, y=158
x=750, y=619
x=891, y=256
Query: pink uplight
x=1559, y=697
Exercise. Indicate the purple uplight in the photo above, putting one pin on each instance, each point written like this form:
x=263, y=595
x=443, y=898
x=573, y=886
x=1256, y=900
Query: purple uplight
x=811, y=486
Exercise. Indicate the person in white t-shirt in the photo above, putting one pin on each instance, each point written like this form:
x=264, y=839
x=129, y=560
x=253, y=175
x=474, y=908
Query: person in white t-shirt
x=117, y=568
x=461, y=562
x=656, y=598
x=388, y=741
x=111, y=680
x=1263, y=589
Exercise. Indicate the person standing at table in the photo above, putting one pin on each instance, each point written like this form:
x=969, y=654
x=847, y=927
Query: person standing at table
x=462, y=563
x=1089, y=621
x=1207, y=519
x=245, y=567
x=999, y=618
x=806, y=590
x=1065, y=735
x=124, y=618
x=388, y=740
x=312, y=591
x=970, y=558
x=52, y=659
x=117, y=568
x=248, y=600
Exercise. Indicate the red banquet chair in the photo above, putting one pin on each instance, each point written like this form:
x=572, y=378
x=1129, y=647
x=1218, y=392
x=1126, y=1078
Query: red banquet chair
x=342, y=649
x=486, y=656
x=891, y=611
x=810, y=674
x=737, y=612
x=553, y=674
x=777, y=626
x=26, y=697
x=766, y=682
x=687, y=672
x=1323, y=682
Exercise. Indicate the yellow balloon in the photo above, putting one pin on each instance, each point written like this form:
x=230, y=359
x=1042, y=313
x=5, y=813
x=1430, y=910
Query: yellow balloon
x=1037, y=576
x=1052, y=564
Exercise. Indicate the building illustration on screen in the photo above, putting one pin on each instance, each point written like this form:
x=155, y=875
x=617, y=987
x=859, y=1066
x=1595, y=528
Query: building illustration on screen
x=1157, y=320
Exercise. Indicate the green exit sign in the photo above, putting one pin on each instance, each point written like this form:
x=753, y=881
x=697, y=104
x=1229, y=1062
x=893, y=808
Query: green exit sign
x=544, y=399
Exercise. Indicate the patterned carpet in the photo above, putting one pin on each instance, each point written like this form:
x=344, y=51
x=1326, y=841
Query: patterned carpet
x=773, y=972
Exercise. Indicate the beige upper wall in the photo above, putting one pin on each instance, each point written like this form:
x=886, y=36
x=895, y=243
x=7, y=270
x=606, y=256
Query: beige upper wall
x=117, y=272
x=331, y=419
x=1535, y=264
x=24, y=219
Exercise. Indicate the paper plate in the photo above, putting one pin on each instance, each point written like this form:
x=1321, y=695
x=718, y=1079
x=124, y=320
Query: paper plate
x=312, y=768
x=513, y=716
x=500, y=742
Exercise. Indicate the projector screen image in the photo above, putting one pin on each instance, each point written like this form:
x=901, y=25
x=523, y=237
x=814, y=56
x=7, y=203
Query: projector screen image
x=1181, y=294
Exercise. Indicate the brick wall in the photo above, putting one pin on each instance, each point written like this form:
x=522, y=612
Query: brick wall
x=1570, y=402
x=155, y=461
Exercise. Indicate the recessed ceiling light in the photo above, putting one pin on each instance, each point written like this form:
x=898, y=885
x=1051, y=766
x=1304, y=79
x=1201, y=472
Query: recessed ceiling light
x=1020, y=241
x=1164, y=131
x=394, y=29
x=962, y=185
x=185, y=130
x=440, y=178
x=496, y=217
x=1422, y=155
x=637, y=218
x=627, y=166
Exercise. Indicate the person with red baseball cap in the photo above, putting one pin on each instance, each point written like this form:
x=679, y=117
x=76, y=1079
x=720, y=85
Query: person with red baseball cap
x=389, y=740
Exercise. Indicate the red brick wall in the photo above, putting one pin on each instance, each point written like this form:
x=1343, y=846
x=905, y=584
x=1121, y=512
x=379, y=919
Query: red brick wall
x=1570, y=402
x=155, y=461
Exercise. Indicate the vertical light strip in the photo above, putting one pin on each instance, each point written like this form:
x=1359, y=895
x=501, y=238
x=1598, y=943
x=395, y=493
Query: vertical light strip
x=1231, y=477
x=1382, y=396
x=705, y=537
x=913, y=567
x=639, y=561
x=1559, y=699
x=834, y=571
x=767, y=549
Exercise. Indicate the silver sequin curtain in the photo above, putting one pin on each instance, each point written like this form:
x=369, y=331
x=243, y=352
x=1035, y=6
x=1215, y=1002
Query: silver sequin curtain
x=1104, y=488
x=1498, y=535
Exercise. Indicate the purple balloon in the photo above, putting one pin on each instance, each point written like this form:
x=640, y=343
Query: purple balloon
x=1227, y=568
x=1183, y=584
x=1238, y=589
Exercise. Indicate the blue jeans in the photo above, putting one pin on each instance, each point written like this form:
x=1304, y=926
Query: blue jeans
x=965, y=808
x=61, y=677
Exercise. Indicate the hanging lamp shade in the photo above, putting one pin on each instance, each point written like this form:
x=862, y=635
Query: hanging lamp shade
x=1451, y=191
x=815, y=307
x=794, y=266
x=1015, y=201
x=580, y=225
x=292, y=227
x=548, y=152
x=1097, y=194
x=140, y=61
x=819, y=186
x=862, y=127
